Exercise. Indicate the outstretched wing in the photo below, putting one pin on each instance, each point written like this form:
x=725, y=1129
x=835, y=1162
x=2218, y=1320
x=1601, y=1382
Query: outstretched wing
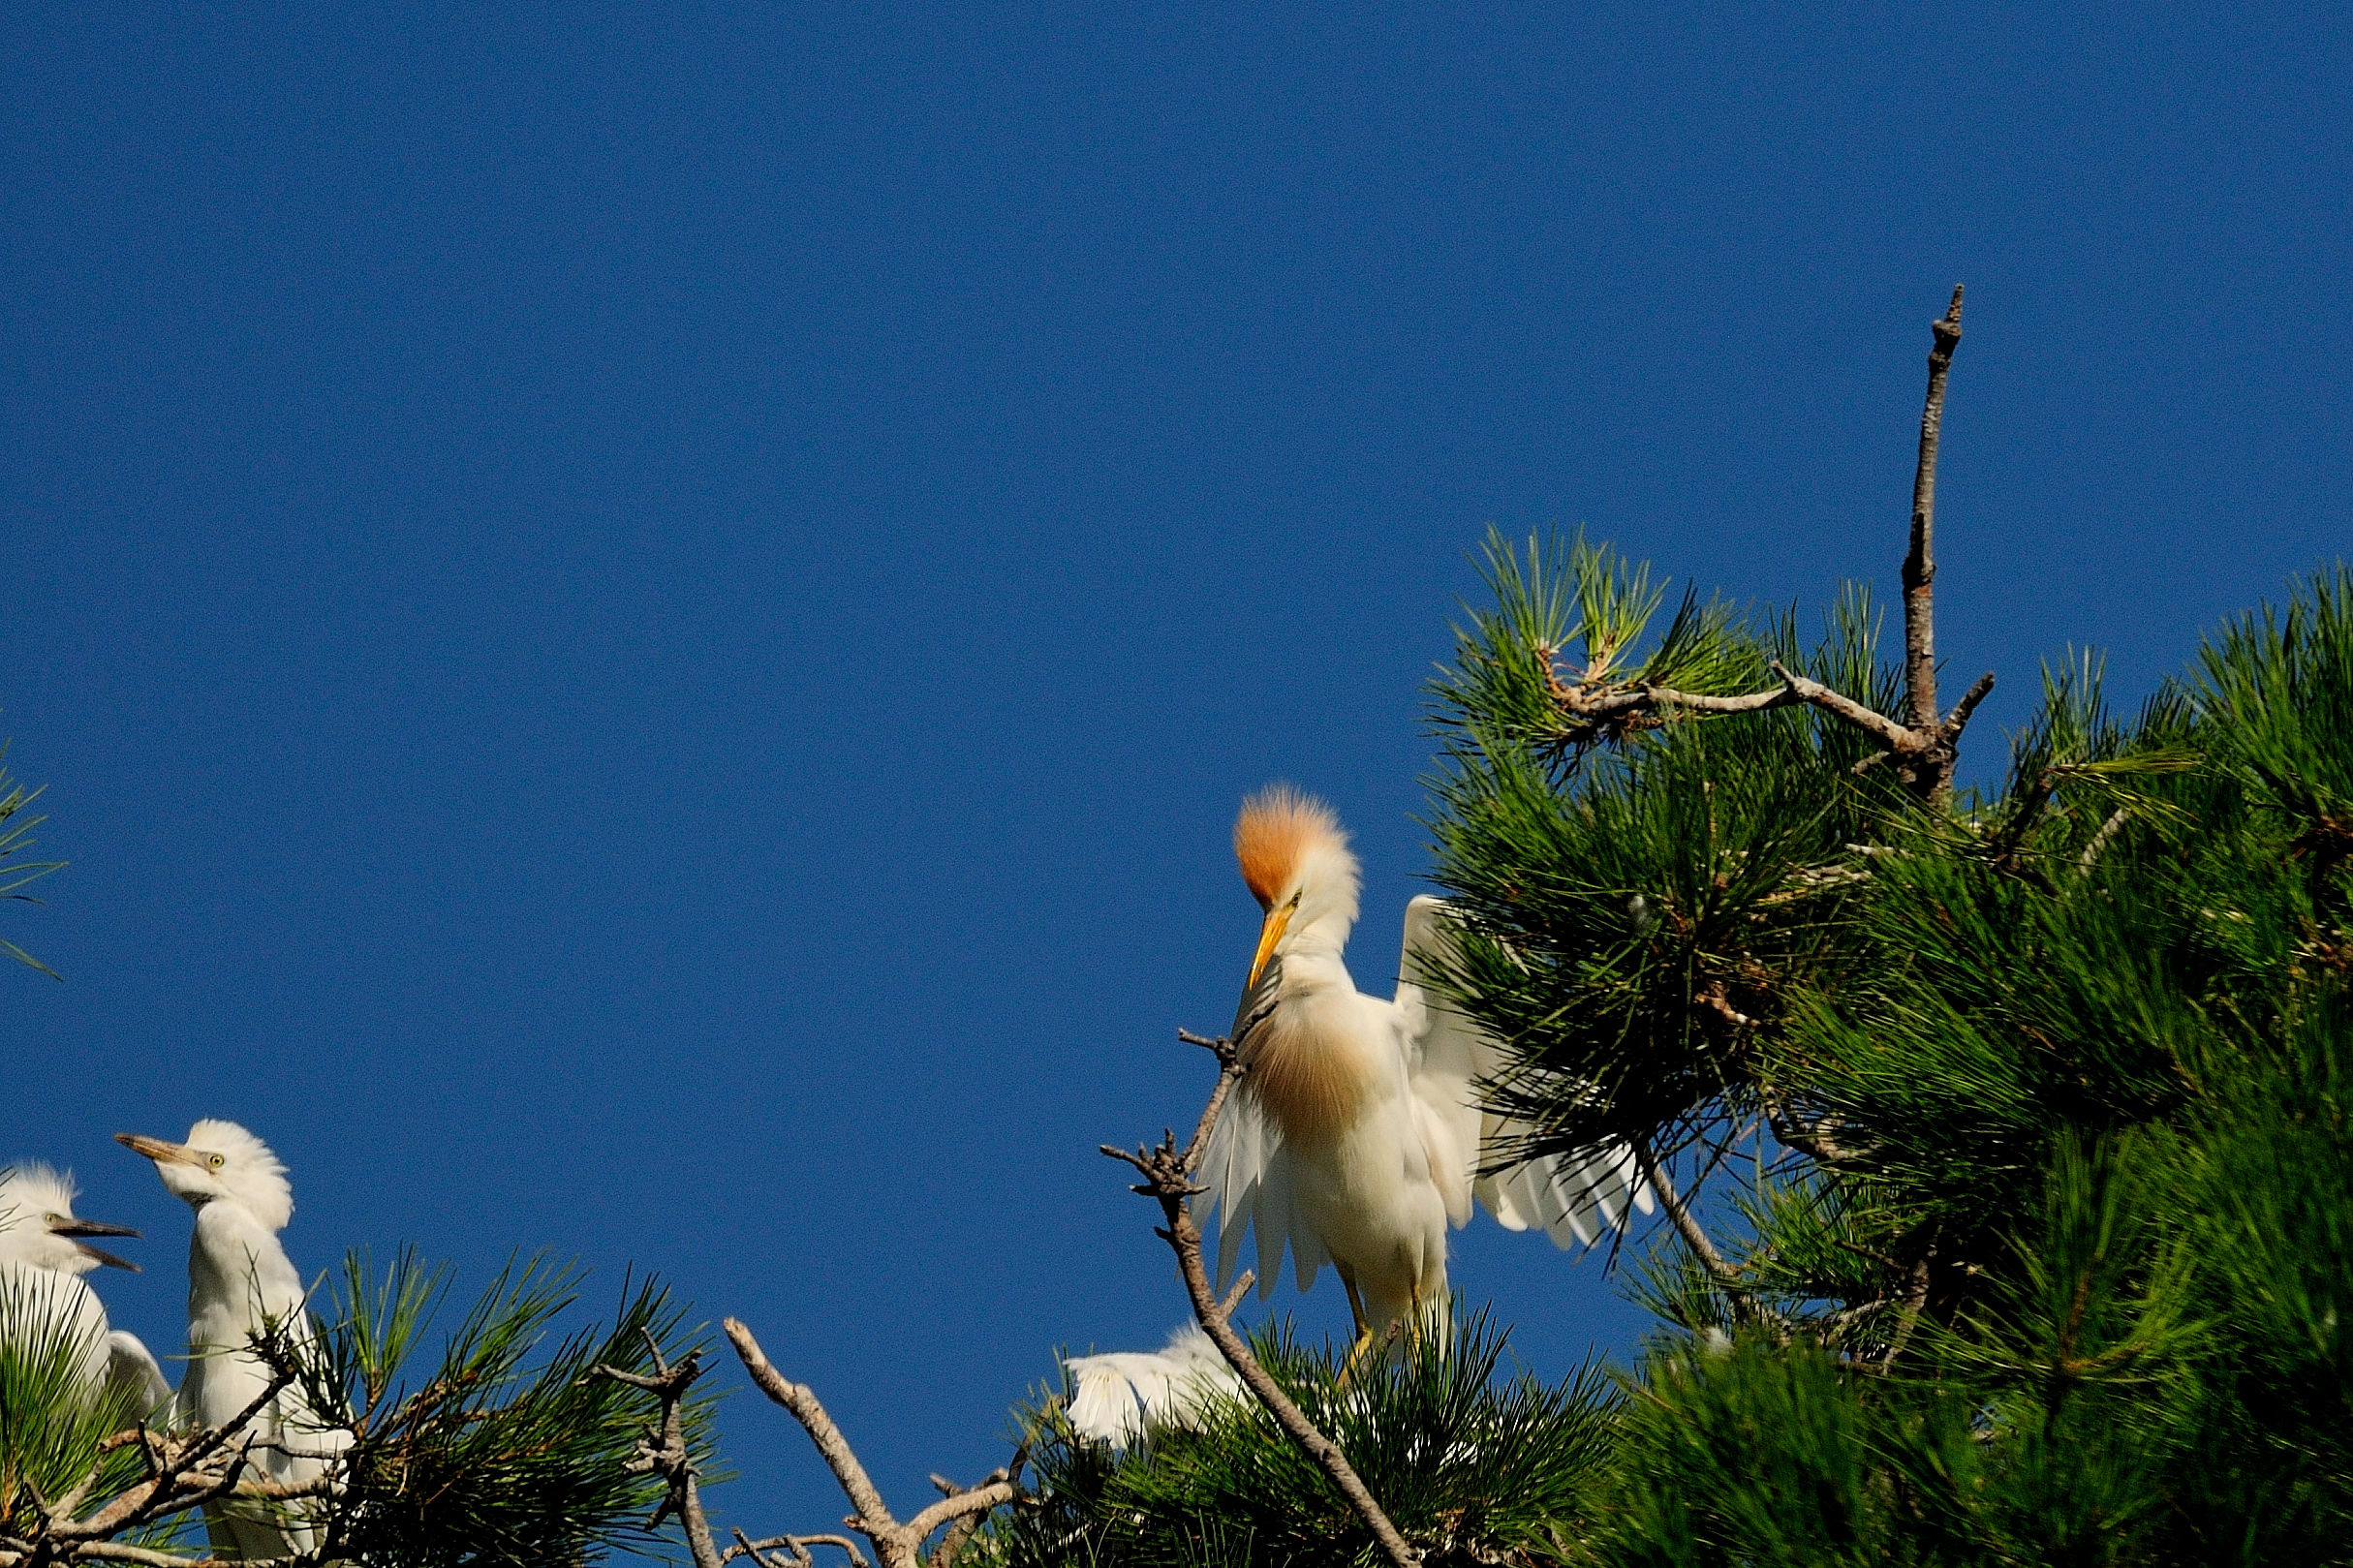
x=1250, y=1181
x=1573, y=1198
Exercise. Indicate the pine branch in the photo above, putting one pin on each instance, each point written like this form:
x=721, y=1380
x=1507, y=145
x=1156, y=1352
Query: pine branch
x=1817, y=1138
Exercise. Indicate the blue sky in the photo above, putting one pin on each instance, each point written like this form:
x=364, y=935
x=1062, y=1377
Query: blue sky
x=644, y=624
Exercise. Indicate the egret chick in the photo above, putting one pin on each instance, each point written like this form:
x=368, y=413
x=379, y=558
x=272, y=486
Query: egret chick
x=1117, y=1396
x=44, y=1252
x=1356, y=1136
x=241, y=1282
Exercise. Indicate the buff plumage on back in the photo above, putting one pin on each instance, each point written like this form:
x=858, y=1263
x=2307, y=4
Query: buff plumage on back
x=1278, y=828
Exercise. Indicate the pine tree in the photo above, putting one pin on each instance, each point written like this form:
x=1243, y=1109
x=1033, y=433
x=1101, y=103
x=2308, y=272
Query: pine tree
x=2001, y=1133
x=2027, y=1112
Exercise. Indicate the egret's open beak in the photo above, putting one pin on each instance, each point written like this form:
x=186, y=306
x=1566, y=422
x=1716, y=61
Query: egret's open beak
x=1276, y=922
x=92, y=1227
x=156, y=1150
x=106, y=1257
x=89, y=1227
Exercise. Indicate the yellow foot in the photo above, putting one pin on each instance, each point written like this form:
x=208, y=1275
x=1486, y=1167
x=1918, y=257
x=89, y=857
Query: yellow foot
x=1356, y=1352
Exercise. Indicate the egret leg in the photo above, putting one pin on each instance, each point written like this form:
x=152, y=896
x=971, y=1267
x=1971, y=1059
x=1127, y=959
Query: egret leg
x=1364, y=1332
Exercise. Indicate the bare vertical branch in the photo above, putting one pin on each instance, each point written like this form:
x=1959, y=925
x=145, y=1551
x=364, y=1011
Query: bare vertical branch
x=1920, y=561
x=1167, y=1172
x=663, y=1450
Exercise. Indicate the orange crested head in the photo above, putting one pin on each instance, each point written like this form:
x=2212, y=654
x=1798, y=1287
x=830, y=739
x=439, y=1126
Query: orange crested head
x=1277, y=831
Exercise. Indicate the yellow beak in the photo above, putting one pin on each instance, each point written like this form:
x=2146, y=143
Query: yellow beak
x=157, y=1150
x=1277, y=921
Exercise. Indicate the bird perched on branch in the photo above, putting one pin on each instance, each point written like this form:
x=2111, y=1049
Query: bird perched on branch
x=45, y=1250
x=1117, y=1396
x=1356, y=1135
x=241, y=1285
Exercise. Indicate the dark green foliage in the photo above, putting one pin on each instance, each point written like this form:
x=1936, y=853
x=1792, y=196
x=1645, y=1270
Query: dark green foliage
x=16, y=838
x=52, y=1419
x=2049, y=1260
x=1473, y=1463
x=1612, y=876
x=506, y=1451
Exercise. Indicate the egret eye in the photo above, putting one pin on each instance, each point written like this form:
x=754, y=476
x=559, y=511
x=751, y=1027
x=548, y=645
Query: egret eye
x=215, y=1161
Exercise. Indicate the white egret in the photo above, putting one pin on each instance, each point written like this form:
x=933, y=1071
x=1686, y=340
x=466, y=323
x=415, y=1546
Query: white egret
x=44, y=1252
x=240, y=1281
x=1119, y=1394
x=1356, y=1135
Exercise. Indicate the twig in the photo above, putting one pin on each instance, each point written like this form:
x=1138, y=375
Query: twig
x=176, y=1479
x=1167, y=1177
x=1817, y=1138
x=2100, y=839
x=1727, y=1276
x=1915, y=1301
x=895, y=1545
x=797, y=1545
x=1917, y=753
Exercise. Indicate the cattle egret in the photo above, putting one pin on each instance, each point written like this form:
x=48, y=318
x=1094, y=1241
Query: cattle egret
x=43, y=1253
x=1356, y=1135
x=1117, y=1396
x=240, y=1283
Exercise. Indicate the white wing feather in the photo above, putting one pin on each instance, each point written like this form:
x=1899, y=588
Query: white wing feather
x=1250, y=1182
x=1573, y=1198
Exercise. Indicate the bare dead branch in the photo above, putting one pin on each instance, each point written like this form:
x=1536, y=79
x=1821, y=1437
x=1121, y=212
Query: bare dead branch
x=1923, y=745
x=797, y=1545
x=118, y=1551
x=179, y=1477
x=1724, y=1274
x=895, y=1545
x=960, y=1530
x=663, y=1450
x=1167, y=1172
x=832, y=1447
x=1229, y=1073
x=1958, y=720
x=1918, y=753
x=2100, y=839
x=1715, y=998
x=1813, y=1139
x=1893, y=736
x=1920, y=561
